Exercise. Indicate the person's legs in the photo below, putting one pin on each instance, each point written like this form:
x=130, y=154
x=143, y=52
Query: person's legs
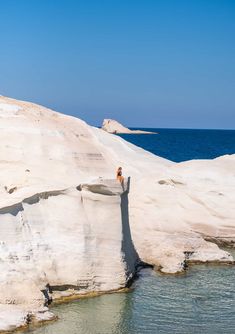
x=120, y=178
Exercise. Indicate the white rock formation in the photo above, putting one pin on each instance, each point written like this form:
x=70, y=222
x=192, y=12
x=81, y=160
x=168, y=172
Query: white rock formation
x=64, y=224
x=112, y=126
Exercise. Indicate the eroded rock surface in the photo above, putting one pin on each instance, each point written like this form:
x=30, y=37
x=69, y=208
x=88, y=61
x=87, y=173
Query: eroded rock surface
x=66, y=227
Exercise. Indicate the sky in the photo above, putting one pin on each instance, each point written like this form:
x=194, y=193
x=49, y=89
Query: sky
x=145, y=63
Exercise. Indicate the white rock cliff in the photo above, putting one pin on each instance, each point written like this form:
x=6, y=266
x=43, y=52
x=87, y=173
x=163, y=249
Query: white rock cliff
x=68, y=228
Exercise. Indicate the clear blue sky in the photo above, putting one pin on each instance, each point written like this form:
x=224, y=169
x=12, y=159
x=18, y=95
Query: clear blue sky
x=149, y=63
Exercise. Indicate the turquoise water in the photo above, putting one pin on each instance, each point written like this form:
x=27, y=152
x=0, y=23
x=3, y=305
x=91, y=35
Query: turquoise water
x=200, y=301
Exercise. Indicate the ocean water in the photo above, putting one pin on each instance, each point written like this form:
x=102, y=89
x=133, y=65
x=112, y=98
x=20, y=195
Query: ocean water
x=186, y=144
x=200, y=301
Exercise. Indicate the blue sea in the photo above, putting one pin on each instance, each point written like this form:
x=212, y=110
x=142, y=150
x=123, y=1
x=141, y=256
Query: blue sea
x=185, y=144
x=200, y=301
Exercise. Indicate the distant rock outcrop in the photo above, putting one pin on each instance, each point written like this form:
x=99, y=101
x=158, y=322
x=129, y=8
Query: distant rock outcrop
x=112, y=126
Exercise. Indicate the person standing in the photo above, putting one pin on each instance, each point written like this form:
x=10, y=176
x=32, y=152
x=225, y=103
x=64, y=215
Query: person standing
x=119, y=176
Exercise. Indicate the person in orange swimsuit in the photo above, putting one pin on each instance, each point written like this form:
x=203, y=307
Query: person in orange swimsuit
x=119, y=176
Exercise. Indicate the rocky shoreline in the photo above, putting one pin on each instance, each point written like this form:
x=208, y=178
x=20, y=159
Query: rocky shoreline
x=67, y=227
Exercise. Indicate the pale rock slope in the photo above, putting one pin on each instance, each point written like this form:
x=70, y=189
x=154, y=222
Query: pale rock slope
x=67, y=227
x=113, y=126
x=61, y=228
x=178, y=211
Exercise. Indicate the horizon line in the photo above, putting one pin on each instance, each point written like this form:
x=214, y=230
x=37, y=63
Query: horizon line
x=172, y=128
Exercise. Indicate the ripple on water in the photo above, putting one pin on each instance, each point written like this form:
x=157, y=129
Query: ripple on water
x=201, y=301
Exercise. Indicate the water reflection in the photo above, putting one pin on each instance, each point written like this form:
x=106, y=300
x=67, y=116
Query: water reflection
x=201, y=301
x=99, y=315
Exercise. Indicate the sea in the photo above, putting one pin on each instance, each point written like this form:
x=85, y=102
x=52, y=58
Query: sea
x=185, y=144
x=199, y=301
